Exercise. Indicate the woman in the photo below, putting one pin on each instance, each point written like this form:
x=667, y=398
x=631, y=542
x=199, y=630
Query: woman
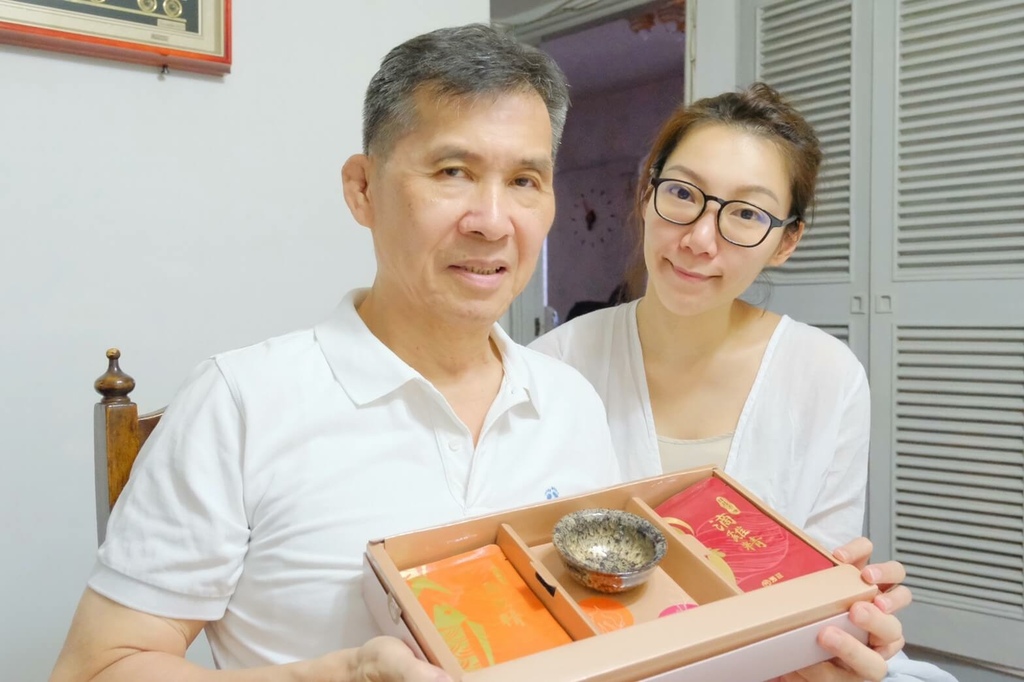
x=692, y=375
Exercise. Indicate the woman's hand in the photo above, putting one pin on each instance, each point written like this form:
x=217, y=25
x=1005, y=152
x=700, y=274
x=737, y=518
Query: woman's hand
x=888, y=576
x=854, y=661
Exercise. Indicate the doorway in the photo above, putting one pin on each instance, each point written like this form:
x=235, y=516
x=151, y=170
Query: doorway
x=626, y=75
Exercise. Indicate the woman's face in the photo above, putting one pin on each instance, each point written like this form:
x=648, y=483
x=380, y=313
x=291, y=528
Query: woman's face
x=692, y=269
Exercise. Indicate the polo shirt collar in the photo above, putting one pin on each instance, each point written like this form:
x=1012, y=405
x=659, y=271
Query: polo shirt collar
x=368, y=370
x=518, y=377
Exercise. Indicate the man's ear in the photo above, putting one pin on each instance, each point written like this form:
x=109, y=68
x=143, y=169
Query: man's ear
x=788, y=244
x=355, y=183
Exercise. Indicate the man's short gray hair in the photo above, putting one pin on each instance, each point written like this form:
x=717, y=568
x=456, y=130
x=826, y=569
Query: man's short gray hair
x=472, y=60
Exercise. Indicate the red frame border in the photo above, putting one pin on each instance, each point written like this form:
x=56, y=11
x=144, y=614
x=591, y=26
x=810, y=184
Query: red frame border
x=121, y=50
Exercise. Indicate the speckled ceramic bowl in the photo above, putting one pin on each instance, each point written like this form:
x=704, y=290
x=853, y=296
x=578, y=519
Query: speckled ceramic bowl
x=608, y=550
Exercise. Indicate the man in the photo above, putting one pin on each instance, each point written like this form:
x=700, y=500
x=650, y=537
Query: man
x=248, y=511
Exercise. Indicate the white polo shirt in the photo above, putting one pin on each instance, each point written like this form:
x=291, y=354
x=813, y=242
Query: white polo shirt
x=251, y=504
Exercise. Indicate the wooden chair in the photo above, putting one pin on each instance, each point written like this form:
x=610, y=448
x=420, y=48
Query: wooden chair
x=118, y=433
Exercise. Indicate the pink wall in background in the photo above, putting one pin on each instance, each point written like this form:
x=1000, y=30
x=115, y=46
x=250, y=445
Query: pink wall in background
x=606, y=137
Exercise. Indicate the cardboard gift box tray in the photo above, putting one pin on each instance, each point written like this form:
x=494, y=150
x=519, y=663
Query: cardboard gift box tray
x=732, y=635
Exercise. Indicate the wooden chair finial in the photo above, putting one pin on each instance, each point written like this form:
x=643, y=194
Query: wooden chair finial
x=114, y=385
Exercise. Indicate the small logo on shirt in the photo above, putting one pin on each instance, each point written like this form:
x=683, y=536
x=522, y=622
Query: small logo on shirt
x=551, y=493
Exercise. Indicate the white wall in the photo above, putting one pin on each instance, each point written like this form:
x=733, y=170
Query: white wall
x=173, y=217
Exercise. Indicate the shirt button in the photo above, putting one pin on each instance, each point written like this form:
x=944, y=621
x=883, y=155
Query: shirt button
x=454, y=445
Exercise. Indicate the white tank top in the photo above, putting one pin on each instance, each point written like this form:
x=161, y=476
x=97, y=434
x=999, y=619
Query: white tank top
x=677, y=455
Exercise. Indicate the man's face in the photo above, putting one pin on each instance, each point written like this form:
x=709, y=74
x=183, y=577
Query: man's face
x=460, y=206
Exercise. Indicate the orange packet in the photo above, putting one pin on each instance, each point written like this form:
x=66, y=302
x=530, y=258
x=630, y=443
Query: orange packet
x=483, y=609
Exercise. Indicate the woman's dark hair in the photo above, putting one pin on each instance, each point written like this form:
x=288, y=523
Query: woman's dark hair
x=759, y=110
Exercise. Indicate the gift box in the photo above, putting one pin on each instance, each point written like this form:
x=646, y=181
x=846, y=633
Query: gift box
x=460, y=596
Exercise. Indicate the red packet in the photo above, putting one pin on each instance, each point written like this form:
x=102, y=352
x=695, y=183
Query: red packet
x=483, y=609
x=746, y=545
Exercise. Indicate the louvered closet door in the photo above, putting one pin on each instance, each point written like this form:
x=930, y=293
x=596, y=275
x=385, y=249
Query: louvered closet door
x=947, y=332
x=817, y=53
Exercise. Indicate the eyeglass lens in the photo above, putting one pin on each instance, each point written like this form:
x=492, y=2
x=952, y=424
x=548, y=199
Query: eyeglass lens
x=739, y=222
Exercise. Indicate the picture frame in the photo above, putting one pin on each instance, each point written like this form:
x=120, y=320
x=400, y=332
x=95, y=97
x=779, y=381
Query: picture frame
x=191, y=35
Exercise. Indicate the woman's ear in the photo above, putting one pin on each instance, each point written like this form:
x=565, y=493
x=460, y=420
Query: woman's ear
x=790, y=238
x=355, y=183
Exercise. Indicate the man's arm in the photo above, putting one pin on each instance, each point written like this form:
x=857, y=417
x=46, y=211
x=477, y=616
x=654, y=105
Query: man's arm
x=109, y=642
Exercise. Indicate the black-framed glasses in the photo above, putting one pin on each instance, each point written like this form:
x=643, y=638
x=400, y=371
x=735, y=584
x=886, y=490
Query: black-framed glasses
x=739, y=222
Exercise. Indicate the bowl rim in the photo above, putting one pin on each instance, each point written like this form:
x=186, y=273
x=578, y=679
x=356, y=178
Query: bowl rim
x=659, y=540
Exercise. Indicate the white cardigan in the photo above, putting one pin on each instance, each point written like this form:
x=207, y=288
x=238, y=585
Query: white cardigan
x=801, y=442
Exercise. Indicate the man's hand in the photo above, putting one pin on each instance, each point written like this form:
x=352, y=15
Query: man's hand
x=109, y=642
x=386, y=659
x=855, y=662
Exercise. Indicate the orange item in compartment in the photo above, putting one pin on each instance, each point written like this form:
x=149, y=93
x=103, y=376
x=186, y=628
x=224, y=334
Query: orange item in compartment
x=606, y=613
x=483, y=609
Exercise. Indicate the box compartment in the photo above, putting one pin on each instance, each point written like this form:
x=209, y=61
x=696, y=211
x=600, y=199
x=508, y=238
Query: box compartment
x=727, y=631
